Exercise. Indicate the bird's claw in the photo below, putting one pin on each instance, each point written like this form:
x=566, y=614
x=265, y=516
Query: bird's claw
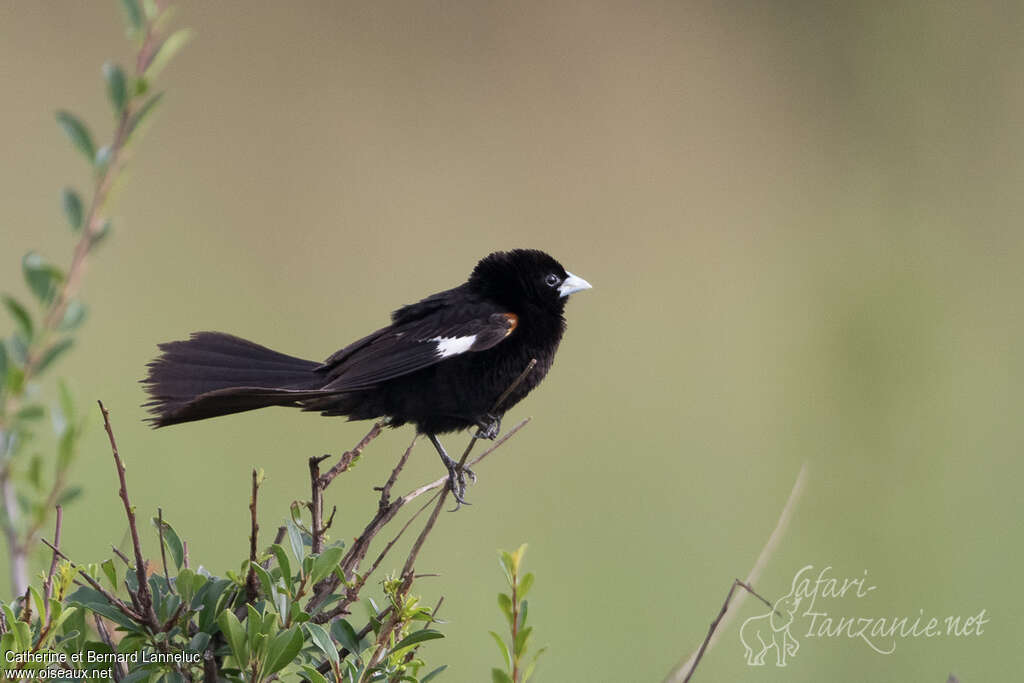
x=457, y=483
x=490, y=427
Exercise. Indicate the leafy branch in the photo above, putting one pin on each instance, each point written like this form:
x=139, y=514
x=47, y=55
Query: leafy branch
x=515, y=608
x=284, y=614
x=38, y=340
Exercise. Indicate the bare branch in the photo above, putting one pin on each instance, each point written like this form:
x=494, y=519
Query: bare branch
x=101, y=629
x=718, y=620
x=48, y=583
x=124, y=558
x=144, y=597
x=251, y=583
x=349, y=456
x=316, y=503
x=684, y=670
x=385, y=491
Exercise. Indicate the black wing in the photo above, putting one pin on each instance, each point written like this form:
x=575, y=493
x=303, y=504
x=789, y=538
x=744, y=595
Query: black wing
x=409, y=346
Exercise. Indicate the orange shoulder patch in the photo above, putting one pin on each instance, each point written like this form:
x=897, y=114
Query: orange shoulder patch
x=513, y=320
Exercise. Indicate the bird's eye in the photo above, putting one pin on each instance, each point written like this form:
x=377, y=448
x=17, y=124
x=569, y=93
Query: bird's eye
x=552, y=280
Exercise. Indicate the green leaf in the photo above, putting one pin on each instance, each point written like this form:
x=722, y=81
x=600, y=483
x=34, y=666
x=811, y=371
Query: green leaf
x=325, y=563
x=55, y=351
x=346, y=635
x=66, y=448
x=233, y=633
x=415, y=638
x=94, y=601
x=42, y=277
x=506, y=562
x=503, y=648
x=73, y=209
x=172, y=541
x=166, y=52
x=312, y=675
x=132, y=16
x=295, y=538
x=66, y=402
x=522, y=637
x=266, y=582
x=284, y=564
x=74, y=315
x=69, y=494
x=3, y=365
x=323, y=640
x=37, y=598
x=533, y=664
x=77, y=133
x=199, y=642
x=35, y=471
x=525, y=584
x=111, y=572
x=33, y=411
x=117, y=87
x=143, y=113
x=505, y=603
x=499, y=676
x=20, y=315
x=18, y=346
x=282, y=650
x=433, y=674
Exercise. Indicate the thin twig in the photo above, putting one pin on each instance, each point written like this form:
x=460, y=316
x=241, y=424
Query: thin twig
x=684, y=670
x=101, y=629
x=48, y=583
x=144, y=597
x=349, y=456
x=124, y=558
x=251, y=583
x=316, y=504
x=385, y=491
x=718, y=620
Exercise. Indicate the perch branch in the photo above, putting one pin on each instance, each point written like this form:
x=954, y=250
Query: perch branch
x=357, y=552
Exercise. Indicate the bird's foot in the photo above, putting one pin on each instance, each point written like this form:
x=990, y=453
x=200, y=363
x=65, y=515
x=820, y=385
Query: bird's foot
x=490, y=427
x=457, y=482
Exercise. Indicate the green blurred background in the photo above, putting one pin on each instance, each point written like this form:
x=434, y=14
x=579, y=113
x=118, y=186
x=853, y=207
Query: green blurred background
x=802, y=223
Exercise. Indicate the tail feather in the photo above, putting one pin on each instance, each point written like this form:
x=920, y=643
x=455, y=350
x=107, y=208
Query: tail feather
x=214, y=374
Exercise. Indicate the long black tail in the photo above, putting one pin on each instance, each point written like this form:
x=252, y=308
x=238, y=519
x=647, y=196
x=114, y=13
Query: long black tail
x=215, y=374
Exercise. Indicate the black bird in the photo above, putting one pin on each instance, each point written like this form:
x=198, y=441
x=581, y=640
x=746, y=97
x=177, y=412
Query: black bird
x=441, y=364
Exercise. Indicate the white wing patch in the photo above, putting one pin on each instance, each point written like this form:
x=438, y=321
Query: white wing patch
x=452, y=346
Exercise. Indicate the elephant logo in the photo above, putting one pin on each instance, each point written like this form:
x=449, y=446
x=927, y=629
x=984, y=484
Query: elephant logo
x=761, y=633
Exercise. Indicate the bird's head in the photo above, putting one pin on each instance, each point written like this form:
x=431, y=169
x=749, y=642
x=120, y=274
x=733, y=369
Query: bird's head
x=525, y=276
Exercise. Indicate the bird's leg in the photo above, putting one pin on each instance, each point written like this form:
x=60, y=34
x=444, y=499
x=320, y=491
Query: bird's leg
x=490, y=426
x=456, y=474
